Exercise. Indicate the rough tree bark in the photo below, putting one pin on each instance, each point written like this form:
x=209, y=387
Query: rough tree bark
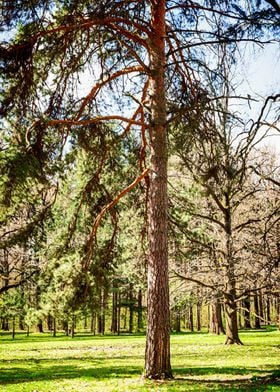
x=157, y=359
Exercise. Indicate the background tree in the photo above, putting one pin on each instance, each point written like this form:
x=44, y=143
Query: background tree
x=219, y=159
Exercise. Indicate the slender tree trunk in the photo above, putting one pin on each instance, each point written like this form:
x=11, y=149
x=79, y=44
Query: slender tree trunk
x=261, y=306
x=101, y=316
x=268, y=316
x=177, y=320
x=125, y=318
x=119, y=314
x=100, y=324
x=191, y=318
x=157, y=359
x=49, y=322
x=232, y=336
x=140, y=311
x=65, y=326
x=114, y=323
x=93, y=323
x=257, y=312
x=239, y=320
x=198, y=316
x=14, y=327
x=131, y=306
x=278, y=312
x=73, y=326
x=5, y=324
x=247, y=313
x=85, y=322
x=54, y=327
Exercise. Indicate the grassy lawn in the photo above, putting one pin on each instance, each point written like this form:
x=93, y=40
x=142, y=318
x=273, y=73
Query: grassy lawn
x=201, y=362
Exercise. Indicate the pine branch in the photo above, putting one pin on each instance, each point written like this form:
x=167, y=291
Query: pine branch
x=104, y=210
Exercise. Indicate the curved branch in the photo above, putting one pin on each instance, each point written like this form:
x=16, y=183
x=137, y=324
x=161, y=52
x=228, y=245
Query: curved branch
x=199, y=282
x=104, y=210
x=102, y=83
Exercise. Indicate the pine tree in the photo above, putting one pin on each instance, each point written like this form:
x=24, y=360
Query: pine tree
x=137, y=54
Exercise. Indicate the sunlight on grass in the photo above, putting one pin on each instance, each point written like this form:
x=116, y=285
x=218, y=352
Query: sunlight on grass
x=201, y=362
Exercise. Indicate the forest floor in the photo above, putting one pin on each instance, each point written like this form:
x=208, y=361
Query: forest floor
x=200, y=362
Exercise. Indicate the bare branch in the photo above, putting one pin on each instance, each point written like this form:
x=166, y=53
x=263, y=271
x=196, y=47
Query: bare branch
x=199, y=282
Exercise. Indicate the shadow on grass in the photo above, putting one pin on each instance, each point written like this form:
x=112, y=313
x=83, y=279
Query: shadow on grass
x=19, y=375
x=267, y=329
x=225, y=378
x=20, y=337
x=92, y=359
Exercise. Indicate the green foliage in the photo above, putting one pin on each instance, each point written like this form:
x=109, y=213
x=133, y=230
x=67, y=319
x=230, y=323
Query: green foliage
x=12, y=304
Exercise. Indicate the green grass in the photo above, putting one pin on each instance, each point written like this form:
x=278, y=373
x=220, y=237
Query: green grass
x=200, y=361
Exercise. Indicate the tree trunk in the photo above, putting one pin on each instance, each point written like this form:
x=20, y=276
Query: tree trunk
x=177, y=320
x=73, y=326
x=5, y=324
x=278, y=312
x=131, y=308
x=93, y=323
x=261, y=306
x=216, y=322
x=21, y=322
x=247, y=313
x=157, y=358
x=40, y=326
x=257, y=312
x=114, y=323
x=65, y=326
x=198, y=316
x=119, y=314
x=140, y=311
x=101, y=316
x=125, y=318
x=14, y=327
x=50, y=322
x=85, y=322
x=268, y=317
x=21, y=317
x=191, y=318
x=232, y=336
x=230, y=295
x=54, y=327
